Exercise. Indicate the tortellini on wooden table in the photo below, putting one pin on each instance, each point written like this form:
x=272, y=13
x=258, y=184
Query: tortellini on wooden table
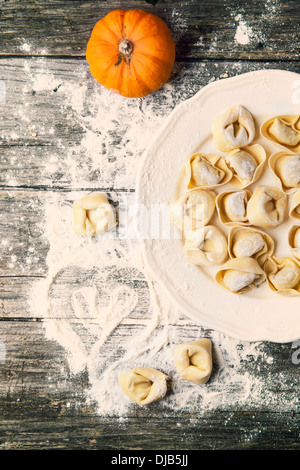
x=232, y=206
x=284, y=131
x=234, y=128
x=144, y=385
x=240, y=275
x=194, y=360
x=266, y=207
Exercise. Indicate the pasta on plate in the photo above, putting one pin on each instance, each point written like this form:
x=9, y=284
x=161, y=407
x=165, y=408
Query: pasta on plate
x=193, y=209
x=246, y=164
x=93, y=215
x=294, y=241
x=250, y=242
x=284, y=275
x=295, y=205
x=266, y=207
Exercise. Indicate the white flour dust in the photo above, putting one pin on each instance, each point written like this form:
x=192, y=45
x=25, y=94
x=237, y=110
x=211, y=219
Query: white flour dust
x=103, y=307
x=244, y=33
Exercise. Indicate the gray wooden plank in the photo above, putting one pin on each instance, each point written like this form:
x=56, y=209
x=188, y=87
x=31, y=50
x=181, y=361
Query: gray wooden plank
x=212, y=29
x=60, y=129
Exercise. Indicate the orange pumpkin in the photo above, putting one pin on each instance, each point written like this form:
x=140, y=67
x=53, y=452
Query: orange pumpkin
x=131, y=52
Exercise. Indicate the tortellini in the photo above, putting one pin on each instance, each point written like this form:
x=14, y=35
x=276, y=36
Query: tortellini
x=266, y=207
x=207, y=171
x=251, y=242
x=244, y=213
x=246, y=164
x=286, y=169
x=194, y=360
x=193, y=209
x=232, y=206
x=284, y=275
x=294, y=240
x=206, y=246
x=295, y=205
x=240, y=275
x=283, y=130
x=93, y=215
x=234, y=128
x=144, y=385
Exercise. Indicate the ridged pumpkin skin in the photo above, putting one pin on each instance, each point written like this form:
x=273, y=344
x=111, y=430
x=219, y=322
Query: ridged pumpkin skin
x=131, y=52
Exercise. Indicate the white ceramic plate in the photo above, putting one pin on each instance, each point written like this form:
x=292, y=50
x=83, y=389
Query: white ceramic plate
x=261, y=314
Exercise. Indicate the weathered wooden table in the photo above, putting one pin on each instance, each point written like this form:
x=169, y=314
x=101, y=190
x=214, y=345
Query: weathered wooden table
x=62, y=136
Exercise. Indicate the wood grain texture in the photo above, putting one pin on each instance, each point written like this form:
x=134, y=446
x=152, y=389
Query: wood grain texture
x=201, y=29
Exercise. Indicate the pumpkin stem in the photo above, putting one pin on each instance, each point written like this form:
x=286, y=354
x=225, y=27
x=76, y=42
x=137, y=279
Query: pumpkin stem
x=126, y=47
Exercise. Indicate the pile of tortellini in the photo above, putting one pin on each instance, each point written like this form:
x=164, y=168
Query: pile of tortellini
x=246, y=254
